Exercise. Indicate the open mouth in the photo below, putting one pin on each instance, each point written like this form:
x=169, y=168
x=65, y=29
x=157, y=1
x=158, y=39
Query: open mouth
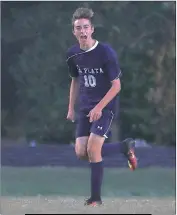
x=84, y=37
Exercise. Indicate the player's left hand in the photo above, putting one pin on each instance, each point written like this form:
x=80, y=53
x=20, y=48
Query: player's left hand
x=95, y=114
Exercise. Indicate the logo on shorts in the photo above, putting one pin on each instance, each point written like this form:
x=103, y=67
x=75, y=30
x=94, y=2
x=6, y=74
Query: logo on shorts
x=99, y=127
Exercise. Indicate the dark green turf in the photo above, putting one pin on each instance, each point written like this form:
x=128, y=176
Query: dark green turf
x=150, y=182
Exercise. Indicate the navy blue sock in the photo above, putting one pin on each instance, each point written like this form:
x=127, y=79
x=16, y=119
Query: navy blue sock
x=96, y=180
x=111, y=148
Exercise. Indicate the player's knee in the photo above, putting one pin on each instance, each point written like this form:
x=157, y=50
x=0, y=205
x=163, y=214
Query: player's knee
x=94, y=146
x=93, y=149
x=81, y=153
x=94, y=154
x=81, y=148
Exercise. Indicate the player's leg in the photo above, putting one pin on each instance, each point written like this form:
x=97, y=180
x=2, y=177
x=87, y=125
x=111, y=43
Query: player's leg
x=94, y=150
x=126, y=146
x=82, y=134
x=81, y=147
x=95, y=143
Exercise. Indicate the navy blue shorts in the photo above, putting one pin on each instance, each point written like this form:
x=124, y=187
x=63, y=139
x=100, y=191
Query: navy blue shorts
x=100, y=127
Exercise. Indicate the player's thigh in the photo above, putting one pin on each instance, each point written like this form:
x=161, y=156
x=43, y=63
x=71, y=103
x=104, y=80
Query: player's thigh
x=82, y=134
x=82, y=125
x=99, y=132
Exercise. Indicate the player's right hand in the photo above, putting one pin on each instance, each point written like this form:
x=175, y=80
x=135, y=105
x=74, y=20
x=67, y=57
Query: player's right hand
x=71, y=115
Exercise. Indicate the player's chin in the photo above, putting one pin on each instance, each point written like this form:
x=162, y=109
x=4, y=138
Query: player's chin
x=82, y=41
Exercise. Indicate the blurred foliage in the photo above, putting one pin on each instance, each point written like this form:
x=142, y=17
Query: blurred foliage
x=35, y=37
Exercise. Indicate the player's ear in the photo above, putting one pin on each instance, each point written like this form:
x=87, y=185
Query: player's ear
x=74, y=32
x=93, y=29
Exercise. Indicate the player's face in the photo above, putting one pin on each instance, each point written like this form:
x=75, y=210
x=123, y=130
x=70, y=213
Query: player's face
x=83, y=31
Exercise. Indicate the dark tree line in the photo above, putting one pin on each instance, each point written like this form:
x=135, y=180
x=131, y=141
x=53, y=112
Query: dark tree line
x=35, y=82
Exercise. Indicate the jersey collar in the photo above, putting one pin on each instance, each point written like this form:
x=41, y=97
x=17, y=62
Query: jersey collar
x=93, y=47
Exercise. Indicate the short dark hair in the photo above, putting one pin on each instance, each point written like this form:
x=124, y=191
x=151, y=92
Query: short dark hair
x=83, y=13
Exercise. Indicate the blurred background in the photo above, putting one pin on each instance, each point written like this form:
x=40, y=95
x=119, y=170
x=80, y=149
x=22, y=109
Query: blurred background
x=35, y=82
x=35, y=85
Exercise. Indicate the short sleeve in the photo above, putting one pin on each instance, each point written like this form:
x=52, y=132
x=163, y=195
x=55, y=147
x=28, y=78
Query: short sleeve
x=111, y=65
x=73, y=72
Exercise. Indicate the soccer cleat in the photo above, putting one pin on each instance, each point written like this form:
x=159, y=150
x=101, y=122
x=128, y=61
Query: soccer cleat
x=128, y=151
x=93, y=203
x=132, y=160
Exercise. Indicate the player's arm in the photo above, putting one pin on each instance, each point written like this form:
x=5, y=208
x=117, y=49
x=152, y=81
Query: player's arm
x=73, y=89
x=73, y=93
x=113, y=71
x=96, y=112
x=113, y=91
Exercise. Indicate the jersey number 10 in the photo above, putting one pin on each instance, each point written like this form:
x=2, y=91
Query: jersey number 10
x=90, y=81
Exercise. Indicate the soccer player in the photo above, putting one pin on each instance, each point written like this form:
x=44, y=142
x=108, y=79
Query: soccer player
x=94, y=69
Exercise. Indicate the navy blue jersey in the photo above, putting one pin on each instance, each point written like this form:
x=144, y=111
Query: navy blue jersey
x=95, y=68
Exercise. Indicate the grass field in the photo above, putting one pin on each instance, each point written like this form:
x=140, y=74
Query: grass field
x=62, y=190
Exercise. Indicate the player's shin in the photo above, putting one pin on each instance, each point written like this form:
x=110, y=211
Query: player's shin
x=96, y=165
x=119, y=147
x=96, y=180
x=111, y=148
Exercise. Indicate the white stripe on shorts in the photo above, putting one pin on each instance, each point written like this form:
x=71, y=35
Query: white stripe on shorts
x=105, y=135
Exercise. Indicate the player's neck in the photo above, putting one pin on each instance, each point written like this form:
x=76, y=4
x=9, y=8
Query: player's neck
x=88, y=46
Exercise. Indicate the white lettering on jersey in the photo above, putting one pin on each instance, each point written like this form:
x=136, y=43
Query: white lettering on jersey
x=101, y=71
x=78, y=69
x=90, y=70
x=90, y=81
